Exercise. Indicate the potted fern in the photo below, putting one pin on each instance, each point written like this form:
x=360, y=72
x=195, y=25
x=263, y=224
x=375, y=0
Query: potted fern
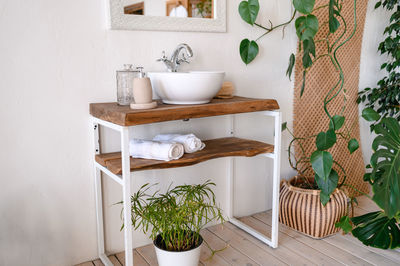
x=175, y=219
x=320, y=177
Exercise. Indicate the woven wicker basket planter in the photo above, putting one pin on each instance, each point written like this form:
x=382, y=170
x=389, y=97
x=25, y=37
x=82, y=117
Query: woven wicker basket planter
x=302, y=210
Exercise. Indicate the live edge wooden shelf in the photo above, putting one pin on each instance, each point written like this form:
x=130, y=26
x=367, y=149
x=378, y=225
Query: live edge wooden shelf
x=216, y=148
x=124, y=116
x=119, y=165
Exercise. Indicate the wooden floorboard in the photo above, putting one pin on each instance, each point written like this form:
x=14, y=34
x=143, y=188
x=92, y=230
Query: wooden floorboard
x=138, y=260
x=239, y=248
x=228, y=253
x=245, y=246
x=342, y=257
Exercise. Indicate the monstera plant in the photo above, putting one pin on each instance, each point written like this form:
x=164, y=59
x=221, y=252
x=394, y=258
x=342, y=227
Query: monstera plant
x=320, y=162
x=381, y=229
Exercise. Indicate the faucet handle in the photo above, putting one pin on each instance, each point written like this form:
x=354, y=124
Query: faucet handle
x=163, y=57
x=183, y=60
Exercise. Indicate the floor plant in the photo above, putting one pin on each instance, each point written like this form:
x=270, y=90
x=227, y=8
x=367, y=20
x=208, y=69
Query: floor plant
x=381, y=229
x=385, y=98
x=175, y=218
x=328, y=173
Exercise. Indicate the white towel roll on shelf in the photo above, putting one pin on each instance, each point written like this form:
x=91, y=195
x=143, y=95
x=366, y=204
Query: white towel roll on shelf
x=155, y=150
x=190, y=142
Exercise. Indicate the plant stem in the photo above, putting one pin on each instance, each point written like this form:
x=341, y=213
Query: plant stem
x=268, y=30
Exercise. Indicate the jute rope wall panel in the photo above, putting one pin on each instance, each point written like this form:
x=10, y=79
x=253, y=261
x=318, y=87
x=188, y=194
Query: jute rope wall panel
x=309, y=116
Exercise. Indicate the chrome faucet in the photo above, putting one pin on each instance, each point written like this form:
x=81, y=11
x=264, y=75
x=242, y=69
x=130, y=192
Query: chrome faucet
x=175, y=61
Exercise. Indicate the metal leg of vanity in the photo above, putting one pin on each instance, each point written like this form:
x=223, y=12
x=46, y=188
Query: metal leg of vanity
x=125, y=181
x=276, y=157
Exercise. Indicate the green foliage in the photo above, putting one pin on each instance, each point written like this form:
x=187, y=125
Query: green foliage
x=377, y=230
x=385, y=162
x=177, y=215
x=337, y=122
x=204, y=8
x=334, y=12
x=327, y=185
x=322, y=163
x=353, y=145
x=289, y=71
x=304, y=6
x=248, y=10
x=326, y=140
x=307, y=27
x=370, y=115
x=248, y=50
x=345, y=224
x=381, y=229
x=385, y=97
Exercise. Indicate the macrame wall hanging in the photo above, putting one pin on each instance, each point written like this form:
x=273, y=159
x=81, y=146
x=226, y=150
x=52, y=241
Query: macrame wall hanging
x=309, y=116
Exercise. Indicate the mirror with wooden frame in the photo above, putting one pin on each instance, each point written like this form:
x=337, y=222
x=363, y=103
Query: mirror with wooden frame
x=170, y=15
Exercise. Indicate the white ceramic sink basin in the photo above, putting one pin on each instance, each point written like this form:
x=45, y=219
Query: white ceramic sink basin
x=195, y=87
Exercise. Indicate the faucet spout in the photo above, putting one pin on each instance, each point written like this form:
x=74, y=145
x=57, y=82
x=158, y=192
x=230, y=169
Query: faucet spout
x=175, y=61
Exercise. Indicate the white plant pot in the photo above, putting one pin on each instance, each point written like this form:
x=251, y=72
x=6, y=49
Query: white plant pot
x=178, y=258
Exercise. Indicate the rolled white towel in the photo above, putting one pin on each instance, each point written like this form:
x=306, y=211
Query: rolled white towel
x=190, y=142
x=155, y=150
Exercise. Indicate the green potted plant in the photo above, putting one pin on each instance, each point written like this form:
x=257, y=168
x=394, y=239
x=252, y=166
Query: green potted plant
x=175, y=219
x=381, y=229
x=385, y=98
x=320, y=176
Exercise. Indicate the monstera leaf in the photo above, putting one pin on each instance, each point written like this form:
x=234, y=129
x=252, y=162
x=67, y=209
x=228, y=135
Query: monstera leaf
x=385, y=176
x=377, y=230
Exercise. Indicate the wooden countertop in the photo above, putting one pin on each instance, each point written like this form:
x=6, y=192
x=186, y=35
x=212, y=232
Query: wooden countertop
x=124, y=116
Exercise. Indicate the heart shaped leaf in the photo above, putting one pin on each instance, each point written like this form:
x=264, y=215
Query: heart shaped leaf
x=248, y=50
x=322, y=162
x=306, y=27
x=326, y=140
x=248, y=10
x=304, y=6
x=353, y=145
x=338, y=122
x=327, y=186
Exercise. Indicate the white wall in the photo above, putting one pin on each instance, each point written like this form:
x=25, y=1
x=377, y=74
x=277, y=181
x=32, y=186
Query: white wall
x=56, y=58
x=371, y=61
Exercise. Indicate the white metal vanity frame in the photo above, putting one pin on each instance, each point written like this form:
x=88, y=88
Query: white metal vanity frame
x=125, y=181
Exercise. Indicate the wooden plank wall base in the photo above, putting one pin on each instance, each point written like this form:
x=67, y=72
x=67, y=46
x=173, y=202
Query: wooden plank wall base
x=215, y=148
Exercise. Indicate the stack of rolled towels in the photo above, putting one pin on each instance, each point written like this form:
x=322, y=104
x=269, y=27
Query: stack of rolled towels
x=165, y=147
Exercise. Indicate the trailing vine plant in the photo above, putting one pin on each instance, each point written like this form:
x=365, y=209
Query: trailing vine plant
x=320, y=161
x=385, y=98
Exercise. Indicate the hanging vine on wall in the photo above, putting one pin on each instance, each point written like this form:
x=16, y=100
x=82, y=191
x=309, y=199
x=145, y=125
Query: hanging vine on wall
x=320, y=161
x=385, y=98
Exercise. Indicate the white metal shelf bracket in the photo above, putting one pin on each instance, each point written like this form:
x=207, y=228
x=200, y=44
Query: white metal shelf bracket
x=276, y=156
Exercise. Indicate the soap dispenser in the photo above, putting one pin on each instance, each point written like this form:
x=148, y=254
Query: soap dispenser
x=142, y=92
